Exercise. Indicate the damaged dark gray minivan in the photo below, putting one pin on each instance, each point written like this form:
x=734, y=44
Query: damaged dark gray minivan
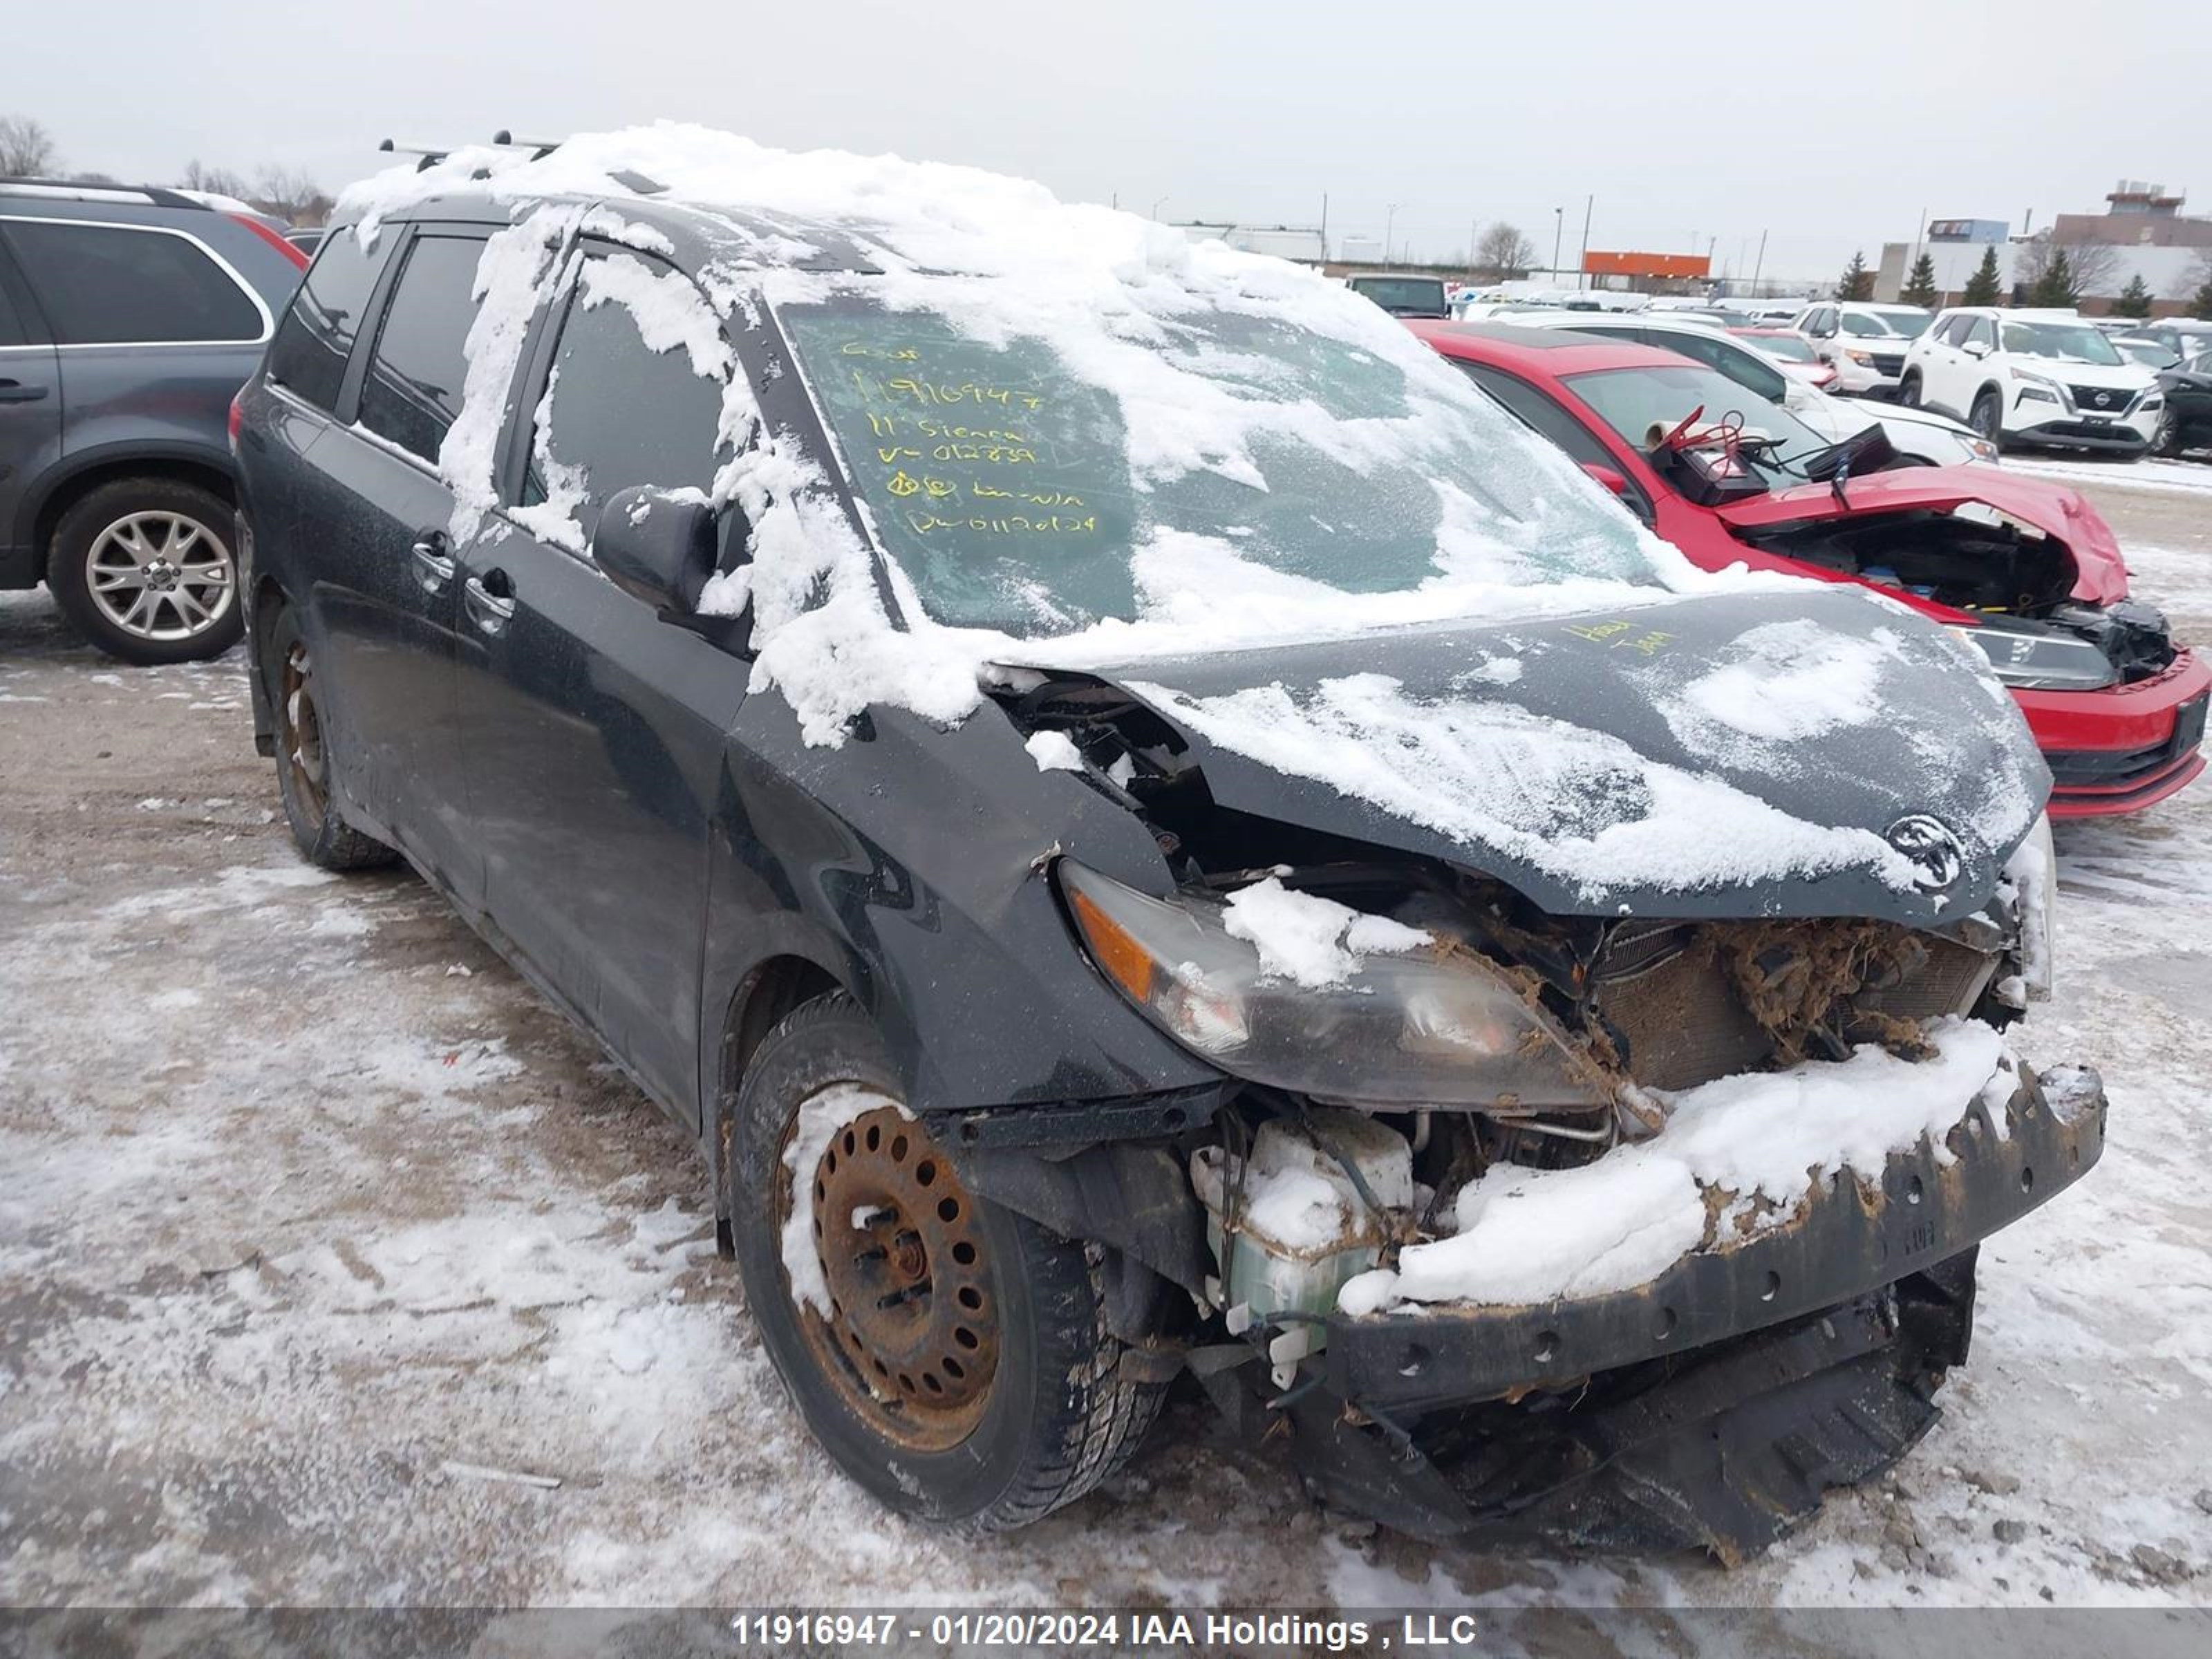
x=1152, y=836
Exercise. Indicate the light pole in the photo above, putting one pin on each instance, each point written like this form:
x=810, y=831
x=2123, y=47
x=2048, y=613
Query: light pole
x=1156, y=207
x=1558, y=229
x=1389, y=220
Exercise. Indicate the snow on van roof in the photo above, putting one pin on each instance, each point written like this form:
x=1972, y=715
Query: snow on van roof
x=1112, y=296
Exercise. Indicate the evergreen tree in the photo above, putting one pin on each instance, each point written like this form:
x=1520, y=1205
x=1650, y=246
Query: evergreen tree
x=1920, y=287
x=2056, y=286
x=1858, y=282
x=2202, y=304
x=2134, y=299
x=1983, y=286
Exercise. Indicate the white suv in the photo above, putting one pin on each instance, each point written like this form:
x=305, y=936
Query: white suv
x=1865, y=343
x=2033, y=377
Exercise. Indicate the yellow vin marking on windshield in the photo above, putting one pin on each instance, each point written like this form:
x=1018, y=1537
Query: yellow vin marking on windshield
x=1613, y=632
x=1013, y=524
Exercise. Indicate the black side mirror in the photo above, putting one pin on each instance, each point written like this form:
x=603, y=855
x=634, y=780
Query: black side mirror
x=657, y=545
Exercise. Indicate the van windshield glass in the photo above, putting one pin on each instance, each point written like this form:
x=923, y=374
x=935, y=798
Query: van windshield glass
x=999, y=477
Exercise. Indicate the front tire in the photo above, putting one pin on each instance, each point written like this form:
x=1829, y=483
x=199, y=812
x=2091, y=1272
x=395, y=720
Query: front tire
x=144, y=568
x=1908, y=390
x=303, y=761
x=962, y=1370
x=1987, y=417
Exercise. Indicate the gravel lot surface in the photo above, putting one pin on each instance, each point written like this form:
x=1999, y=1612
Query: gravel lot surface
x=316, y=1225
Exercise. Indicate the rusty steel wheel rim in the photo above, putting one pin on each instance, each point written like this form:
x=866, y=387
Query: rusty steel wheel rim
x=302, y=725
x=911, y=1343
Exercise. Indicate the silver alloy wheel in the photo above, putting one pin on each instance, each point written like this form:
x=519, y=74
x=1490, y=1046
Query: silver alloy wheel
x=161, y=576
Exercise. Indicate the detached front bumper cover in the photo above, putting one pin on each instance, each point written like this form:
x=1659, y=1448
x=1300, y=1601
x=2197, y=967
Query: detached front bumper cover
x=1714, y=1406
x=1847, y=1239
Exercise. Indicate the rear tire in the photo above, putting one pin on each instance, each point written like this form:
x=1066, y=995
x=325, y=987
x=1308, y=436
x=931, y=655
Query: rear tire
x=303, y=769
x=144, y=568
x=1033, y=1410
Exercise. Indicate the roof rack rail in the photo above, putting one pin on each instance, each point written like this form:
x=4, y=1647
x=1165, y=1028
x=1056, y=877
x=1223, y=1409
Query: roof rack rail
x=430, y=154
x=80, y=190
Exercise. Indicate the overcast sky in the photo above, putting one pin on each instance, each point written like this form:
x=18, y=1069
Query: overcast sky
x=1831, y=126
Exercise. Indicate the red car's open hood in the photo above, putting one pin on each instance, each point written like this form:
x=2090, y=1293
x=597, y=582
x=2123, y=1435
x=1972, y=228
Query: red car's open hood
x=2100, y=574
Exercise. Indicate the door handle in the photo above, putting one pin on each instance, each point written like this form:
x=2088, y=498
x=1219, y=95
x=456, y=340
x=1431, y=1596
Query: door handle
x=433, y=568
x=488, y=609
x=15, y=391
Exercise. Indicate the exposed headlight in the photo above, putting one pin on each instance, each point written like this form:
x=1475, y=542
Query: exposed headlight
x=1439, y=1026
x=2040, y=659
x=2154, y=401
x=1863, y=358
x=1979, y=449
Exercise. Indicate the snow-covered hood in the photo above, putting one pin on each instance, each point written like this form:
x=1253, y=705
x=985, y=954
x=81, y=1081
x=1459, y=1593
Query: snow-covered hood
x=2060, y=512
x=1808, y=753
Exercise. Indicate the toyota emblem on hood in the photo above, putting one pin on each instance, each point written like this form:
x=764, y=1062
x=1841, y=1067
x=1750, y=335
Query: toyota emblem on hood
x=1932, y=848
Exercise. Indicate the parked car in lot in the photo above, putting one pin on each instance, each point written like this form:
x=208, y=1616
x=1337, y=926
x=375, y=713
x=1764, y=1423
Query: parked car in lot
x=1791, y=352
x=2151, y=353
x=2025, y=569
x=1865, y=343
x=1920, y=435
x=127, y=319
x=1403, y=296
x=2042, y=378
x=2186, y=420
x=1129, y=808
x=2184, y=336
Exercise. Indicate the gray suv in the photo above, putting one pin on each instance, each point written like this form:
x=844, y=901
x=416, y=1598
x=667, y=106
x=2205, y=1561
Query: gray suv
x=128, y=319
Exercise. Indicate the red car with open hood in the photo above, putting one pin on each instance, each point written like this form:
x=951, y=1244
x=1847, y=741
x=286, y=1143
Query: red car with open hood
x=2025, y=569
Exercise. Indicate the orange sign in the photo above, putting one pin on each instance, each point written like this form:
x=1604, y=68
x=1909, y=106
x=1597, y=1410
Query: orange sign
x=1646, y=265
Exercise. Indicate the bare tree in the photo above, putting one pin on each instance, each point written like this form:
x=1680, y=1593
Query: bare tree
x=1503, y=252
x=2096, y=266
x=2197, y=279
x=216, y=181
x=291, y=195
x=27, y=148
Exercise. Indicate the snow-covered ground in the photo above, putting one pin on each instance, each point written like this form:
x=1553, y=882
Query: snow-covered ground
x=2164, y=476
x=316, y=1225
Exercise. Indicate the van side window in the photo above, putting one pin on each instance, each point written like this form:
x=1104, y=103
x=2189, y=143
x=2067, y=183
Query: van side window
x=117, y=285
x=616, y=412
x=309, y=356
x=413, y=392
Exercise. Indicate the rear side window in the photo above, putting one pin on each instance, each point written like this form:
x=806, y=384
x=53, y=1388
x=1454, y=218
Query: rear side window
x=309, y=356
x=413, y=392
x=12, y=332
x=117, y=285
x=1733, y=360
x=616, y=411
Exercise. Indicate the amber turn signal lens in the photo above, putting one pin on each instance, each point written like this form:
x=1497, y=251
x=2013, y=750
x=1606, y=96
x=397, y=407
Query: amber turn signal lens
x=1115, y=948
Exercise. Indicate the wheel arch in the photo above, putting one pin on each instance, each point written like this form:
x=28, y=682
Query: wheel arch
x=80, y=475
x=763, y=995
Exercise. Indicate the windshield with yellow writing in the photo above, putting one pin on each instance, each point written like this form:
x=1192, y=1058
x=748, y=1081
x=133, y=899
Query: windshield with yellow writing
x=1000, y=481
